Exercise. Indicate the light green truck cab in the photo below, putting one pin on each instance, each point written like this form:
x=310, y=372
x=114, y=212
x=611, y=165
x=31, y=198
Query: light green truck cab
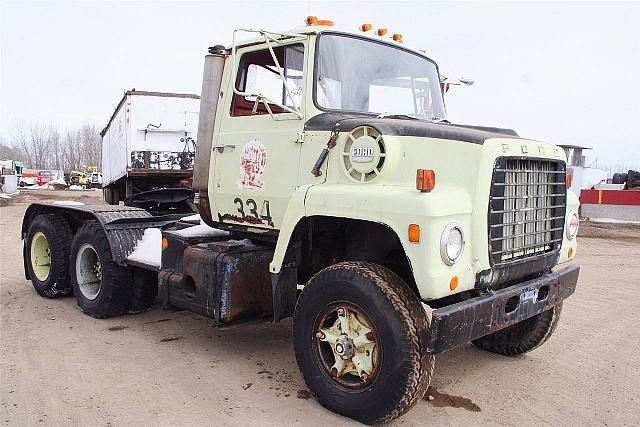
x=409, y=235
x=281, y=148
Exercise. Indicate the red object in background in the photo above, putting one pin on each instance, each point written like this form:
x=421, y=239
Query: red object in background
x=44, y=177
x=610, y=197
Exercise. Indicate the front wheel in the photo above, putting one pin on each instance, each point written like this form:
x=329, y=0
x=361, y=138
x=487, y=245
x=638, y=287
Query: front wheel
x=522, y=337
x=360, y=342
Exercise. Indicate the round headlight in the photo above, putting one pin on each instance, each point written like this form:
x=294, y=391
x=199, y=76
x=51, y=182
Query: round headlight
x=572, y=225
x=451, y=244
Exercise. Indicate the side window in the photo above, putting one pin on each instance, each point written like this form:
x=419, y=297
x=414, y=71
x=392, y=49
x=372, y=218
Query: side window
x=258, y=75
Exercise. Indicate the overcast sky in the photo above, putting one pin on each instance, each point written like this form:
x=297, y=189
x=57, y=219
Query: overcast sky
x=566, y=73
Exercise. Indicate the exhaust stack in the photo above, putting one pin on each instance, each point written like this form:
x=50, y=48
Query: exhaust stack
x=209, y=96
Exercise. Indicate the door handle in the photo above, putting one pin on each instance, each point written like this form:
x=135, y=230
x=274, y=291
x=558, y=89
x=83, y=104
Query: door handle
x=223, y=146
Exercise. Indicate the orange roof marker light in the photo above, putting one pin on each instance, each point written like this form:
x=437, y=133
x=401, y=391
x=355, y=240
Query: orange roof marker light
x=366, y=27
x=423, y=51
x=381, y=31
x=397, y=38
x=313, y=20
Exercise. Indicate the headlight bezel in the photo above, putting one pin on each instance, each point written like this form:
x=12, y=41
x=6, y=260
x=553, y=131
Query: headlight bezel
x=570, y=216
x=444, y=240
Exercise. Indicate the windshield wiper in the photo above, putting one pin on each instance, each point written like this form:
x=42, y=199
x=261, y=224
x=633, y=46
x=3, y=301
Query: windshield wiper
x=413, y=117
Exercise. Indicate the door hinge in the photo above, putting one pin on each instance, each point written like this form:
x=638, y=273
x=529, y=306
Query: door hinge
x=299, y=138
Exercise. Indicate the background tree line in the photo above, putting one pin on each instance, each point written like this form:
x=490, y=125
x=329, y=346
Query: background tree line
x=44, y=146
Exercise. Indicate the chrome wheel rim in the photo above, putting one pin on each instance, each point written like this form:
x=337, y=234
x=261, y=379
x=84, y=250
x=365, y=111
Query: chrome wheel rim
x=40, y=256
x=88, y=271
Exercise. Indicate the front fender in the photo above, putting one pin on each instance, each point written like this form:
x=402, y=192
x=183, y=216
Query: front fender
x=395, y=207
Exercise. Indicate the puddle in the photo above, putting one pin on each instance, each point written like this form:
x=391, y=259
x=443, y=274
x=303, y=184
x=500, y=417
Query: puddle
x=443, y=400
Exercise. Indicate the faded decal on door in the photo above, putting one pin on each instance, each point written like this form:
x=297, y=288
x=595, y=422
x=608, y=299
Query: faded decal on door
x=253, y=160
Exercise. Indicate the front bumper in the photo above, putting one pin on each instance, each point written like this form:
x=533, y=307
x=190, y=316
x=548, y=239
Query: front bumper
x=471, y=319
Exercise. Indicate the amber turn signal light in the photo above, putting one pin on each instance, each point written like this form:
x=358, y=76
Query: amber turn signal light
x=425, y=180
x=313, y=20
x=165, y=243
x=382, y=31
x=453, y=283
x=366, y=27
x=570, y=253
x=414, y=233
x=569, y=180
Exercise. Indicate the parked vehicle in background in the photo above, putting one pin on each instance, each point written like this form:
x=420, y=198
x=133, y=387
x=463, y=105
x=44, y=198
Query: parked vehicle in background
x=11, y=167
x=79, y=178
x=10, y=174
x=95, y=180
x=409, y=235
x=44, y=177
x=148, y=143
x=29, y=177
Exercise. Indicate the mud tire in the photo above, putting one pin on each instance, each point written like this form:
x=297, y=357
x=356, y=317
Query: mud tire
x=114, y=294
x=523, y=336
x=405, y=369
x=59, y=235
x=144, y=290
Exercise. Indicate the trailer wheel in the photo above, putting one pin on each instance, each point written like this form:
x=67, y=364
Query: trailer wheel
x=523, y=336
x=47, y=255
x=102, y=288
x=360, y=342
x=144, y=290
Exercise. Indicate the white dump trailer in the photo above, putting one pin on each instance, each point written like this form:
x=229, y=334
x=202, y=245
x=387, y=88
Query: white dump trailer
x=149, y=143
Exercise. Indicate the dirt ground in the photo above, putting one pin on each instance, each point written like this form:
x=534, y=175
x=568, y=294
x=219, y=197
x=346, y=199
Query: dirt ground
x=59, y=366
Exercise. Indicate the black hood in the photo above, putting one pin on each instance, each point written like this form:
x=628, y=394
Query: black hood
x=345, y=122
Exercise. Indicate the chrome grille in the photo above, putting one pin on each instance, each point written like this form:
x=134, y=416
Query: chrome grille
x=526, y=209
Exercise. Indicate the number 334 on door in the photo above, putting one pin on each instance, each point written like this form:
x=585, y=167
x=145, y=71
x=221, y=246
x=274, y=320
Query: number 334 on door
x=248, y=212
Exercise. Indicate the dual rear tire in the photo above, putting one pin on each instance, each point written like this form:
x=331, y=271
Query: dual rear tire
x=102, y=287
x=60, y=263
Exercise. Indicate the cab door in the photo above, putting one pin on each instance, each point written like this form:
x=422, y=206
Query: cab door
x=256, y=151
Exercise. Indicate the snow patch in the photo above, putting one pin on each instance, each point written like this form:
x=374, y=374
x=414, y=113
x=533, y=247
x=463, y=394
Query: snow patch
x=195, y=217
x=76, y=187
x=38, y=187
x=57, y=182
x=67, y=203
x=149, y=249
x=201, y=230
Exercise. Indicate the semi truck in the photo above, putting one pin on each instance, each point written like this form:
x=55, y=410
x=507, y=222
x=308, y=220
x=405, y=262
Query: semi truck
x=148, y=143
x=331, y=188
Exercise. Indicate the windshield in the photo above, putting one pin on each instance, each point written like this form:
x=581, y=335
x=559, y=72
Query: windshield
x=354, y=74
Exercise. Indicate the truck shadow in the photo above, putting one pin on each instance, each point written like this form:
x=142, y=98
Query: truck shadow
x=267, y=349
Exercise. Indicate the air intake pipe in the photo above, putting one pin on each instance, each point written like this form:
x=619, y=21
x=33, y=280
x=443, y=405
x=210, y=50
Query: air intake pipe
x=209, y=96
